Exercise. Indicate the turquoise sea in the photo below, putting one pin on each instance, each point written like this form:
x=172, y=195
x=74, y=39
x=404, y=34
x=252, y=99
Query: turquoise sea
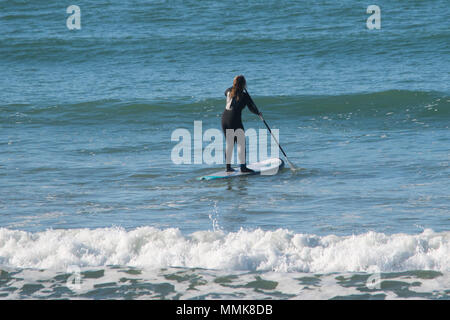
x=92, y=206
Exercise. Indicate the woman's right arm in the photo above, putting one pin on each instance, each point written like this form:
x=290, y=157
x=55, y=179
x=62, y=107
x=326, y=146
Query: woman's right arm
x=251, y=105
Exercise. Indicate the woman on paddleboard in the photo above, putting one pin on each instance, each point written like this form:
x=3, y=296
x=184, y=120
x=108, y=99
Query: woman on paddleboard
x=237, y=99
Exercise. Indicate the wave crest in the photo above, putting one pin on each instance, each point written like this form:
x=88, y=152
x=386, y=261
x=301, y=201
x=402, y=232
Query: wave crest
x=430, y=105
x=256, y=250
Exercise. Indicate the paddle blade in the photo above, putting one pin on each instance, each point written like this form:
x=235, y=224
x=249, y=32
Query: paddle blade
x=291, y=165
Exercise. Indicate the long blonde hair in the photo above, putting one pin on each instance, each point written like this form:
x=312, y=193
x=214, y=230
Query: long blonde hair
x=239, y=85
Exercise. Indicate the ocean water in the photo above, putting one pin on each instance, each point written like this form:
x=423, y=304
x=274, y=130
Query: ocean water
x=92, y=206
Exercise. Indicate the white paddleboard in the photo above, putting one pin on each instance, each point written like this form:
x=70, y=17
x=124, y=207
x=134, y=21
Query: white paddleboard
x=266, y=167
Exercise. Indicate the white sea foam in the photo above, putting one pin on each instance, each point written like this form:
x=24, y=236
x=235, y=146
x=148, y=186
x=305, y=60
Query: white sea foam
x=255, y=250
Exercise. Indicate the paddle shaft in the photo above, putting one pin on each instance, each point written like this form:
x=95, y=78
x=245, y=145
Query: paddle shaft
x=273, y=136
x=268, y=128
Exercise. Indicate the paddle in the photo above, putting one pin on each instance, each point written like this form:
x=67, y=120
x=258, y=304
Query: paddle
x=291, y=166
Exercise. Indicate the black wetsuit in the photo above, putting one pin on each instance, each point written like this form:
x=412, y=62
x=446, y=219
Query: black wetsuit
x=231, y=117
